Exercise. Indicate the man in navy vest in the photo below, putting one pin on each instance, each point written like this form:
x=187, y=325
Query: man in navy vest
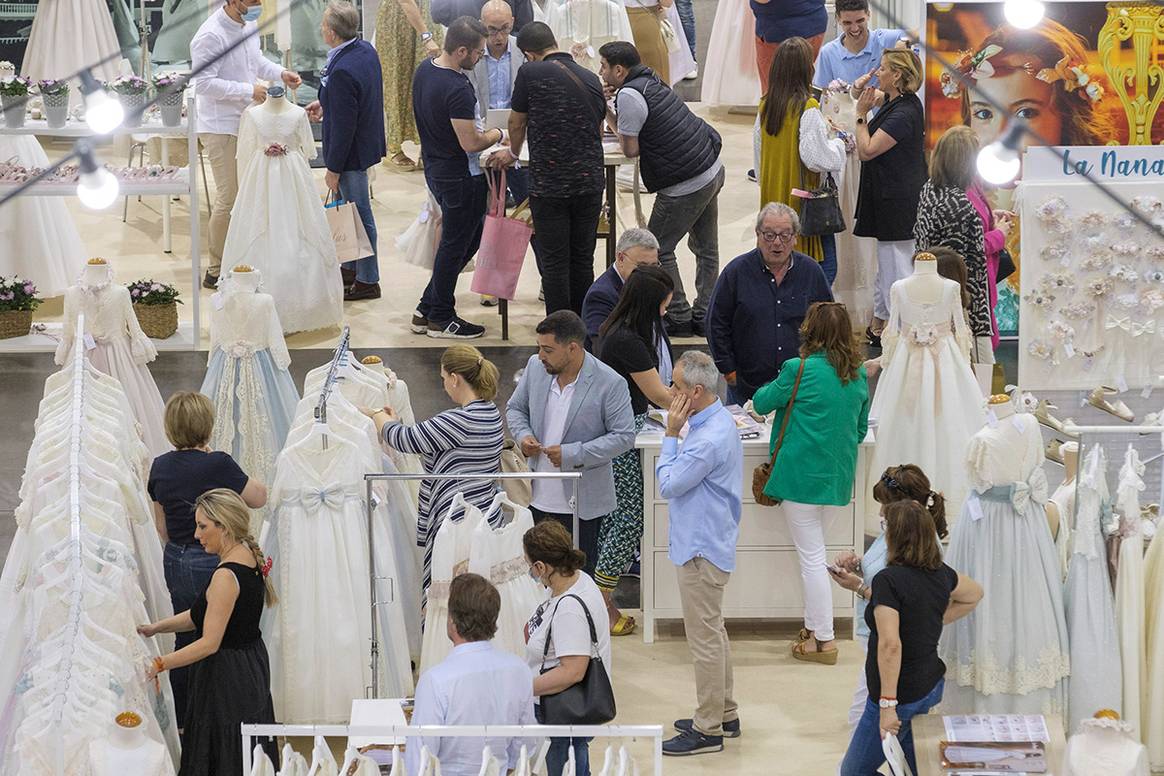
x=678, y=156
x=351, y=107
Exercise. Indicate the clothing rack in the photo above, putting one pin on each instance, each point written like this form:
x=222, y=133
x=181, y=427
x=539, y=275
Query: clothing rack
x=652, y=732
x=370, y=506
x=1082, y=432
x=341, y=351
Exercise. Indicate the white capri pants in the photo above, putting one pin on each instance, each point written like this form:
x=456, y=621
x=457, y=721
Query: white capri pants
x=807, y=523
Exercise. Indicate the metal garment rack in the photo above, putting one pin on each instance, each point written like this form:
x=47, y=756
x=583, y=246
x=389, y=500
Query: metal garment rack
x=1082, y=432
x=652, y=732
x=370, y=506
x=341, y=351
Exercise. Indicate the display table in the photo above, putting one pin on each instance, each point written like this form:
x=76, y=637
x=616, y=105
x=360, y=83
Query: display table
x=766, y=582
x=929, y=731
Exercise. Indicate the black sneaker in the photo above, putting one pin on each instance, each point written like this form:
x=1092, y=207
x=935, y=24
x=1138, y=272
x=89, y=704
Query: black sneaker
x=730, y=729
x=692, y=742
x=359, y=291
x=678, y=328
x=419, y=324
x=752, y=175
x=457, y=328
x=698, y=329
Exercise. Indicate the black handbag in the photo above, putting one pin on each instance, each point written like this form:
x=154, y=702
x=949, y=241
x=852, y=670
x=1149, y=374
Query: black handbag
x=1006, y=266
x=821, y=214
x=590, y=701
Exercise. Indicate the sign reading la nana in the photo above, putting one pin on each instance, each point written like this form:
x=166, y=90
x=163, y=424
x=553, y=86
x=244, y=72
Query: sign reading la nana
x=1133, y=164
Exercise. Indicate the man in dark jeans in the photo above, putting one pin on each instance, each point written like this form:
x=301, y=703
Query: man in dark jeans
x=445, y=107
x=562, y=105
x=678, y=156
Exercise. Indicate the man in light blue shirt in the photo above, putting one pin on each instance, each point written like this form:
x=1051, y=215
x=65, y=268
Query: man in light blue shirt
x=703, y=482
x=857, y=50
x=477, y=684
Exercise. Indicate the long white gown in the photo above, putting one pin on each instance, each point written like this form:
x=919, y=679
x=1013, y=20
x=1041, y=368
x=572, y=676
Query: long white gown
x=928, y=404
x=1154, y=625
x=38, y=239
x=729, y=67
x=68, y=35
x=278, y=224
x=581, y=27
x=119, y=348
x=1011, y=654
x=1130, y=595
x=498, y=555
x=1095, y=650
x=450, y=558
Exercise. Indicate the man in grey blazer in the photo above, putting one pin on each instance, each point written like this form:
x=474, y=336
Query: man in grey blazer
x=571, y=413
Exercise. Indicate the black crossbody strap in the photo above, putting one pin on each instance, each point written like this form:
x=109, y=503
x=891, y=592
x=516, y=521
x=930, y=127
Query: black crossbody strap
x=550, y=627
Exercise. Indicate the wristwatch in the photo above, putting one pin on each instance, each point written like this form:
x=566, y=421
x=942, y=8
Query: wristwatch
x=425, y=36
x=887, y=703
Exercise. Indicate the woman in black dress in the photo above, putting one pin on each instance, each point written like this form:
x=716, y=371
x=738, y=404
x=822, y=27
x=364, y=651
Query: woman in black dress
x=229, y=680
x=893, y=169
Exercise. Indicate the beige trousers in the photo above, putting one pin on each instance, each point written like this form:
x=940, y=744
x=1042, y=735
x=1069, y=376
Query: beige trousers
x=221, y=150
x=701, y=586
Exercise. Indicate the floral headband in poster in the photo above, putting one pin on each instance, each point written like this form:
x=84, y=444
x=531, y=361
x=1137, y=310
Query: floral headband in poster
x=1073, y=77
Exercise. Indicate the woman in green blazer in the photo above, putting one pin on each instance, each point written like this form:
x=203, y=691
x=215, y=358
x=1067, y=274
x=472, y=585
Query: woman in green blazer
x=818, y=458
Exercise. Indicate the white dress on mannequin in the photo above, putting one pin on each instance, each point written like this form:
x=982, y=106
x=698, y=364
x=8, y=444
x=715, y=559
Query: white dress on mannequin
x=581, y=27
x=118, y=347
x=729, y=68
x=1095, y=649
x=928, y=404
x=38, y=239
x=1011, y=654
x=278, y=224
x=1130, y=595
x=450, y=558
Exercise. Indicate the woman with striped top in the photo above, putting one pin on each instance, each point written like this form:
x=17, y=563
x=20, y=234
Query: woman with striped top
x=463, y=440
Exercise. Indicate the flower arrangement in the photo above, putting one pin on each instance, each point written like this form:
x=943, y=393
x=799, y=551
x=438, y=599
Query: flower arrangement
x=18, y=294
x=1040, y=350
x=16, y=86
x=163, y=81
x=276, y=149
x=150, y=292
x=51, y=87
x=127, y=84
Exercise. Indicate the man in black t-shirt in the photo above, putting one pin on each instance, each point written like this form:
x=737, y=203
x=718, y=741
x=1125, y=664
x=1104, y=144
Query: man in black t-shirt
x=561, y=104
x=445, y=107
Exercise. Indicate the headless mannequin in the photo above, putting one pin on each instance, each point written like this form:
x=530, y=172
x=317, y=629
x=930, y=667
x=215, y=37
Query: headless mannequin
x=245, y=279
x=1070, y=452
x=1105, y=745
x=275, y=102
x=96, y=273
x=127, y=750
x=925, y=285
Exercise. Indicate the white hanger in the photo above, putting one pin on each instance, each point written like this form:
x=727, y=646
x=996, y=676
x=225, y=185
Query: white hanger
x=523, y=768
x=623, y=761
x=349, y=759
x=571, y=768
x=489, y=765
x=607, y=760
x=320, y=743
x=262, y=764
x=397, y=763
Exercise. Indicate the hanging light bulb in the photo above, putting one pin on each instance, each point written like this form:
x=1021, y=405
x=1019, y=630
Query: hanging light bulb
x=97, y=188
x=103, y=114
x=1023, y=14
x=999, y=162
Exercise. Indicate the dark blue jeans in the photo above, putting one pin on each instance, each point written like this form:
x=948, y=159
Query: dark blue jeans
x=567, y=229
x=687, y=17
x=462, y=202
x=829, y=243
x=559, y=750
x=354, y=189
x=188, y=570
x=865, y=754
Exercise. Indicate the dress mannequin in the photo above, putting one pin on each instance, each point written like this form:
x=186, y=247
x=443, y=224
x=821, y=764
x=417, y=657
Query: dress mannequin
x=925, y=285
x=1105, y=745
x=95, y=273
x=128, y=750
x=1060, y=508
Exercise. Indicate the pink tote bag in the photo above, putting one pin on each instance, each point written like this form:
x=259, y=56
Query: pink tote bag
x=503, y=245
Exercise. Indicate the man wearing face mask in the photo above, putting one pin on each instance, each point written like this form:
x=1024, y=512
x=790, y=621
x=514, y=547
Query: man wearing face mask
x=223, y=90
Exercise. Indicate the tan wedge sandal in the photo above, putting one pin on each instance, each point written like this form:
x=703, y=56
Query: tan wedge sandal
x=1113, y=407
x=802, y=651
x=1044, y=416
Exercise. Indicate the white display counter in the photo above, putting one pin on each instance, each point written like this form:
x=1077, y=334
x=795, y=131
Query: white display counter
x=766, y=581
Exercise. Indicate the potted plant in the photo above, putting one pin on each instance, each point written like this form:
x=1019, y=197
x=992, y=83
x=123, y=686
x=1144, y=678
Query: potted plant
x=169, y=88
x=17, y=301
x=156, y=307
x=54, y=96
x=13, y=97
x=7, y=70
x=131, y=90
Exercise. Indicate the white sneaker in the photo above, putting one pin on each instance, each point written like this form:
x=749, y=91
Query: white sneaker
x=692, y=75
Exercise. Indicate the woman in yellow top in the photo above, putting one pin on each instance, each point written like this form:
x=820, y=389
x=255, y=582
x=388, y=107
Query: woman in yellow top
x=795, y=142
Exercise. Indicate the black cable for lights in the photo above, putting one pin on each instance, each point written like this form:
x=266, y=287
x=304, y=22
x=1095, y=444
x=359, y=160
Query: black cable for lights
x=88, y=81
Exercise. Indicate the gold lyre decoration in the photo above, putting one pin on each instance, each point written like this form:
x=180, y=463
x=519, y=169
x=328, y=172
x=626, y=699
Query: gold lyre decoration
x=97, y=261
x=1139, y=86
x=999, y=398
x=128, y=719
x=243, y=268
x=371, y=360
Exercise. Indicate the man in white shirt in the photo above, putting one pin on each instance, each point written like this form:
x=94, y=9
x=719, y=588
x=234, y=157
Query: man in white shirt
x=223, y=91
x=477, y=684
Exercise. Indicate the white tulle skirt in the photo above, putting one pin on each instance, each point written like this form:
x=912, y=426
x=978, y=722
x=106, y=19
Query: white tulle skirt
x=729, y=68
x=114, y=358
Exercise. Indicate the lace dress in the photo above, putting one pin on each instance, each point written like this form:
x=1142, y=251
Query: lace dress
x=498, y=555
x=1010, y=655
x=118, y=347
x=67, y=36
x=1095, y=649
x=1130, y=595
x=450, y=558
x=247, y=379
x=278, y=224
x=928, y=403
x=581, y=27
x=38, y=239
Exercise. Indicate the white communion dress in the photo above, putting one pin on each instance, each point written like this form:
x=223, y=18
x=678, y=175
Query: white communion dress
x=118, y=347
x=68, y=35
x=928, y=404
x=1010, y=655
x=38, y=239
x=729, y=68
x=1095, y=649
x=450, y=558
x=581, y=27
x=1131, y=612
x=278, y=225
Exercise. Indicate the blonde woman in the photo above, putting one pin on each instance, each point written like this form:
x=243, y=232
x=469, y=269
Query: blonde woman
x=230, y=674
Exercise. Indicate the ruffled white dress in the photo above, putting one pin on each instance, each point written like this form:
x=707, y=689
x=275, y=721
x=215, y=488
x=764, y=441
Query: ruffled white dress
x=1095, y=649
x=729, y=68
x=1130, y=595
x=1011, y=654
x=928, y=404
x=450, y=558
x=118, y=347
x=38, y=239
x=498, y=555
x=278, y=224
